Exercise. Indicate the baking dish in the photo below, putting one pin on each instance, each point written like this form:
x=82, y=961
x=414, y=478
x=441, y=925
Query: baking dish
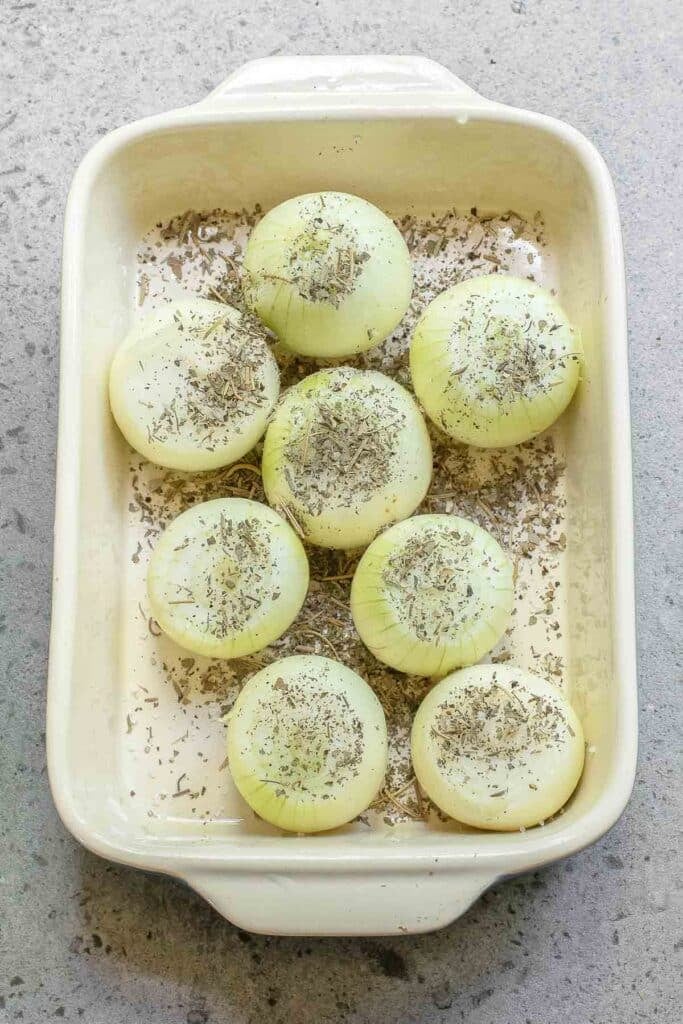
x=405, y=133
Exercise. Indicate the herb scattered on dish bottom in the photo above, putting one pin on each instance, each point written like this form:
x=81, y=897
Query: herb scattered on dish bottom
x=174, y=733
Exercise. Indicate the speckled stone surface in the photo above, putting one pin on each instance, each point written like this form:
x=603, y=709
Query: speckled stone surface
x=595, y=940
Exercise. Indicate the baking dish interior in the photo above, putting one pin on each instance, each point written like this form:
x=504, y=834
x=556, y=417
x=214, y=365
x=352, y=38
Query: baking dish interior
x=418, y=165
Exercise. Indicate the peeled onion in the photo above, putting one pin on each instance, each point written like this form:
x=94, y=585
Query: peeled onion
x=346, y=453
x=307, y=743
x=432, y=593
x=497, y=748
x=227, y=577
x=193, y=384
x=329, y=273
x=494, y=360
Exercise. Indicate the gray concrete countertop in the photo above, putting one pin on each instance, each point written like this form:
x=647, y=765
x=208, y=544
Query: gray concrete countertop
x=593, y=940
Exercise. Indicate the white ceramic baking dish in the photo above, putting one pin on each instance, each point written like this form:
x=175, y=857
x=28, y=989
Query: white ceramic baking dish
x=407, y=134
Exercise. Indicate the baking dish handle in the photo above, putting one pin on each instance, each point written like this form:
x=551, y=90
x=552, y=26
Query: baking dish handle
x=316, y=903
x=327, y=78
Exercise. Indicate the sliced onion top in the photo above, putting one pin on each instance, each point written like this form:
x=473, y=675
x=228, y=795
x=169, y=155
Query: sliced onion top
x=193, y=384
x=227, y=577
x=494, y=360
x=346, y=453
x=497, y=748
x=307, y=743
x=432, y=593
x=329, y=273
